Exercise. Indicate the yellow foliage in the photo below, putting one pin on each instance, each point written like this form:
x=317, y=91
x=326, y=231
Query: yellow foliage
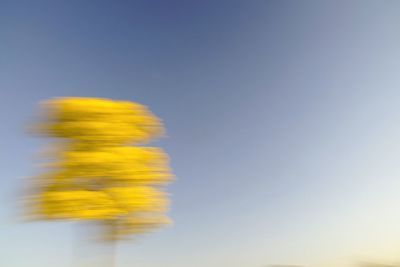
x=77, y=204
x=95, y=173
x=138, y=199
x=92, y=120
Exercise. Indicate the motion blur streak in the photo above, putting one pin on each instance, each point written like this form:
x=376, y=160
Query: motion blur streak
x=94, y=173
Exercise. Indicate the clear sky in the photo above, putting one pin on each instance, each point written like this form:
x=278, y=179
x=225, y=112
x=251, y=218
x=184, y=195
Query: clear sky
x=283, y=123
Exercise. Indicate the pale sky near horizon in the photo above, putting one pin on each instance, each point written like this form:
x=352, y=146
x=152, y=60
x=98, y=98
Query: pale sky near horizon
x=283, y=124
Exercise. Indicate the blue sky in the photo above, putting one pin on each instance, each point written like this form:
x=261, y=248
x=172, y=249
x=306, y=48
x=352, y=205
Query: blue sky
x=282, y=121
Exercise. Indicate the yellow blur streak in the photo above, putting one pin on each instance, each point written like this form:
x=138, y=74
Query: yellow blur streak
x=95, y=173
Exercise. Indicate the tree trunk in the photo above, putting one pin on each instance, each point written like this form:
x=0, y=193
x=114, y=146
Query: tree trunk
x=112, y=254
x=112, y=249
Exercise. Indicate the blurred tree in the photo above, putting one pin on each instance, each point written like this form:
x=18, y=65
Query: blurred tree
x=97, y=169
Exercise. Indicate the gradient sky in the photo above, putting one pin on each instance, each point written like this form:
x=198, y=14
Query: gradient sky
x=283, y=123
